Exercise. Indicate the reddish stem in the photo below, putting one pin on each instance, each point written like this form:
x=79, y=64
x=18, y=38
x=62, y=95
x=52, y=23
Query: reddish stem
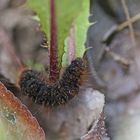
x=54, y=71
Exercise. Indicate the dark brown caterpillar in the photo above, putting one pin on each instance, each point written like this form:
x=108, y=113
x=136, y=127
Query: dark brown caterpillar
x=33, y=85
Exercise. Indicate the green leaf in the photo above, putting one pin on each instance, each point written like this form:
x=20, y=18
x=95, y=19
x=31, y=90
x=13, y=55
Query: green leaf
x=41, y=8
x=80, y=26
x=67, y=11
x=36, y=66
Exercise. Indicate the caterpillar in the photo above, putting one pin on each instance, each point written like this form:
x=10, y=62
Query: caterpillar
x=34, y=85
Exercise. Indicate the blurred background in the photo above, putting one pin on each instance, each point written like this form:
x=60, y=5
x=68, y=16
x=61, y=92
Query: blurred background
x=114, y=57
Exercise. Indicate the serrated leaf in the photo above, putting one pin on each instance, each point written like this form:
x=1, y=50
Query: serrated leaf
x=80, y=26
x=66, y=12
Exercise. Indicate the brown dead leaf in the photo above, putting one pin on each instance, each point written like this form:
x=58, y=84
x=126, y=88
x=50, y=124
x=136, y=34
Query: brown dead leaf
x=16, y=119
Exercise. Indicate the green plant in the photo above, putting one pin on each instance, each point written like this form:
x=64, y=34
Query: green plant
x=65, y=24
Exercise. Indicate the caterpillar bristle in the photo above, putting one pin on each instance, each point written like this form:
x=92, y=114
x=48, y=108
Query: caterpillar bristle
x=33, y=85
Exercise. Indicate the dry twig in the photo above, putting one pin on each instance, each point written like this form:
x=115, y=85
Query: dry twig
x=130, y=25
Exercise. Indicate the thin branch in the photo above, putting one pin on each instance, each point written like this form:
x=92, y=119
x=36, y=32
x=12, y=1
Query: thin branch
x=115, y=29
x=126, y=23
x=117, y=57
x=130, y=25
x=129, y=22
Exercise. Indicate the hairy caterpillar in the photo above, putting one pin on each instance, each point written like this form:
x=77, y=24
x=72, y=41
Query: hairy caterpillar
x=34, y=85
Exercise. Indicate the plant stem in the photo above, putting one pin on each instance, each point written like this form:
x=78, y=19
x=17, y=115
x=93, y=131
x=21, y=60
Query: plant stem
x=54, y=71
